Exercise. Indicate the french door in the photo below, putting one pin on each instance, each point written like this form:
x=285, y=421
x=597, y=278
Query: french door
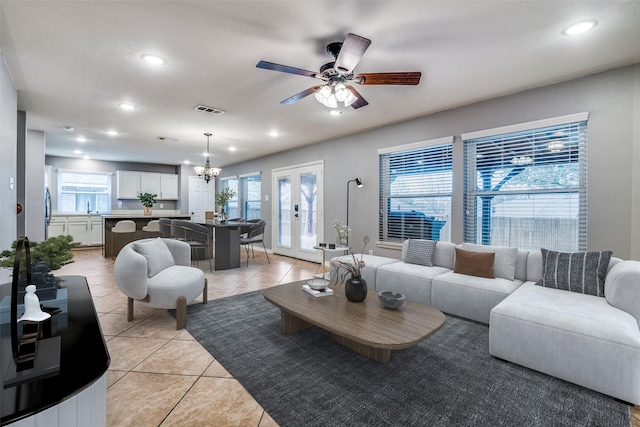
x=298, y=214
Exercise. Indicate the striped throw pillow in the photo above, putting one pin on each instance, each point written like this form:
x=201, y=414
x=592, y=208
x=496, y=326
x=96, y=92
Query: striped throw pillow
x=420, y=252
x=582, y=272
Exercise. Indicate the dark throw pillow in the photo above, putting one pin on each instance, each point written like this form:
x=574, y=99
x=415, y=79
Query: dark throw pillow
x=420, y=252
x=471, y=263
x=582, y=272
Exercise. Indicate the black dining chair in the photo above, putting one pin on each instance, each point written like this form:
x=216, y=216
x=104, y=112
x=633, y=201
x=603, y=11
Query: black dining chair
x=164, y=227
x=196, y=235
x=255, y=234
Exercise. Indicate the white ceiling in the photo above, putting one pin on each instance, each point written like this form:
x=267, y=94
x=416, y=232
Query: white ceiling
x=74, y=62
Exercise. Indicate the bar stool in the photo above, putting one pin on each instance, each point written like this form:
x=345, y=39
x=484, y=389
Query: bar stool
x=153, y=227
x=122, y=227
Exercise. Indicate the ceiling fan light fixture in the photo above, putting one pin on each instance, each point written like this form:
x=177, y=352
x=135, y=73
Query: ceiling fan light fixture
x=350, y=99
x=341, y=92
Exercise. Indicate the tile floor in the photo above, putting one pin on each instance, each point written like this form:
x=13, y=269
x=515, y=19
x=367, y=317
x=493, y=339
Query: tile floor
x=146, y=387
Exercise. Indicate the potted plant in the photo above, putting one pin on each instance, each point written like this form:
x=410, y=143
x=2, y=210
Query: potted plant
x=222, y=198
x=147, y=200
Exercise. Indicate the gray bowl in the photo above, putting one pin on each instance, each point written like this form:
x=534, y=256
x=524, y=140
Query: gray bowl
x=390, y=299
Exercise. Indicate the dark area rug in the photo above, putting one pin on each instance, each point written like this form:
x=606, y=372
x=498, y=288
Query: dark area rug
x=307, y=379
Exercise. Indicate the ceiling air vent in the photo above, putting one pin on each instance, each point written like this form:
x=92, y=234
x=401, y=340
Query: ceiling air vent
x=209, y=110
x=166, y=139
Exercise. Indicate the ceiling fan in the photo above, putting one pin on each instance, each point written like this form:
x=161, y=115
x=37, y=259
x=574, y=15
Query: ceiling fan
x=338, y=74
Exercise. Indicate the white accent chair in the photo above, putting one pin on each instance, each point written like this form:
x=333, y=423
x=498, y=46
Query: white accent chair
x=157, y=272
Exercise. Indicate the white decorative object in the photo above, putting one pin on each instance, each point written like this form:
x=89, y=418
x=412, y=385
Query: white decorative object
x=32, y=309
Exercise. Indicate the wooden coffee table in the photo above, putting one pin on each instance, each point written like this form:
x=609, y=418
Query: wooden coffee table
x=365, y=327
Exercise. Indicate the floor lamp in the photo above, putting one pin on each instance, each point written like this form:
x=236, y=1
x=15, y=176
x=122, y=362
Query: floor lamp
x=358, y=182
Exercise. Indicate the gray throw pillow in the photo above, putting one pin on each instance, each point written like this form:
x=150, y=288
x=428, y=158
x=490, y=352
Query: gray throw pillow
x=157, y=254
x=582, y=272
x=420, y=252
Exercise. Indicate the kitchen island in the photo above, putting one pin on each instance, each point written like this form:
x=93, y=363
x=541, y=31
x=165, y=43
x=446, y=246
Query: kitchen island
x=140, y=219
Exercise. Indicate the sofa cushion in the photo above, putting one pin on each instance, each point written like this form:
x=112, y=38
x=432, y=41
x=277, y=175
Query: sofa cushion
x=472, y=263
x=157, y=254
x=622, y=289
x=505, y=262
x=420, y=252
x=468, y=296
x=411, y=280
x=576, y=337
x=582, y=272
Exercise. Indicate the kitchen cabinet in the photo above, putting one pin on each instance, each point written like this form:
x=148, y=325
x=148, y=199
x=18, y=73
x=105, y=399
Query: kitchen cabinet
x=128, y=184
x=57, y=227
x=132, y=183
x=85, y=229
x=77, y=226
x=168, y=187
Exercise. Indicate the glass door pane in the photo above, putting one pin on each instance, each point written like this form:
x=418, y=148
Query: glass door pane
x=308, y=211
x=284, y=211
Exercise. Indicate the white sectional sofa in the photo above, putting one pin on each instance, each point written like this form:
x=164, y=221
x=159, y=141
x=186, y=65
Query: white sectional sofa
x=589, y=340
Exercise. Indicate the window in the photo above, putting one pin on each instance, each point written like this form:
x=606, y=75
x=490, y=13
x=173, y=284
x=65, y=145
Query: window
x=525, y=185
x=246, y=203
x=84, y=192
x=415, y=191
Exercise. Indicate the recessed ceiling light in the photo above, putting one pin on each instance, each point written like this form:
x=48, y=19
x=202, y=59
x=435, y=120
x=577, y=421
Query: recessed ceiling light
x=127, y=107
x=87, y=158
x=77, y=151
x=579, y=28
x=187, y=162
x=232, y=148
x=335, y=112
x=153, y=59
x=112, y=133
x=274, y=133
x=81, y=139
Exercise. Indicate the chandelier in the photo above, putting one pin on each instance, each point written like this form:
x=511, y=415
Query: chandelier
x=331, y=94
x=207, y=171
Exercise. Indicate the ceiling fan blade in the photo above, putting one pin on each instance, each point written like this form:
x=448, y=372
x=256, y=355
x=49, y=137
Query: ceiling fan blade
x=402, y=78
x=286, y=69
x=352, y=50
x=361, y=102
x=299, y=96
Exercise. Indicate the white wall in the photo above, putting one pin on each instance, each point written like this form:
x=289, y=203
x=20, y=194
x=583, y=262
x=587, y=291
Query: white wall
x=611, y=98
x=34, y=185
x=8, y=153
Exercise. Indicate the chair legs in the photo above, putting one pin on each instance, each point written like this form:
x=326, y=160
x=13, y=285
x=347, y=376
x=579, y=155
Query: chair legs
x=129, y=309
x=181, y=313
x=181, y=307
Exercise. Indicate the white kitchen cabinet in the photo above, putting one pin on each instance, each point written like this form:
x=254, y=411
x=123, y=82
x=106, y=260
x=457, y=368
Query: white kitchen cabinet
x=128, y=183
x=168, y=187
x=94, y=234
x=85, y=229
x=57, y=226
x=132, y=183
x=150, y=183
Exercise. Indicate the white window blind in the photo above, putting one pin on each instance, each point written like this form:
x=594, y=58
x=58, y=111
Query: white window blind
x=415, y=192
x=527, y=188
x=84, y=192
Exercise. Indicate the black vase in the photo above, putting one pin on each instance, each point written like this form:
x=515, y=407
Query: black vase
x=355, y=289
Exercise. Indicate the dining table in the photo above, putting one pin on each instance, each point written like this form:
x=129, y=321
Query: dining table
x=226, y=242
